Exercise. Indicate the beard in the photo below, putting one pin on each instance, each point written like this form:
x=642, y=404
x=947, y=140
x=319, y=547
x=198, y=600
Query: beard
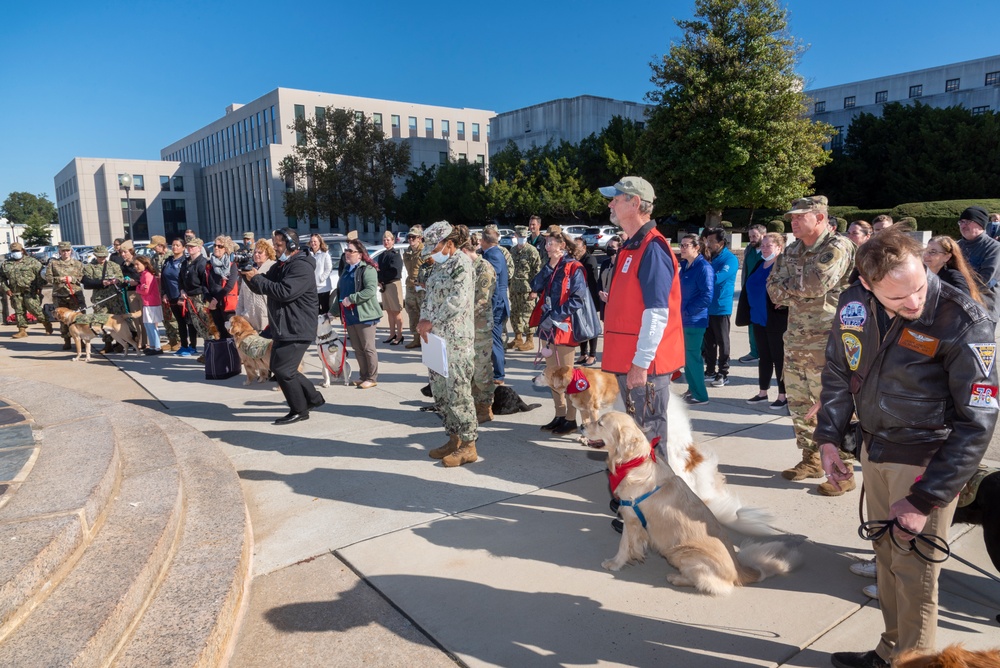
x=614, y=218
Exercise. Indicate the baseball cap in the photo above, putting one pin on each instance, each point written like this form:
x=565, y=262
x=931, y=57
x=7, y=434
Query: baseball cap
x=434, y=235
x=156, y=240
x=65, y=245
x=631, y=185
x=817, y=203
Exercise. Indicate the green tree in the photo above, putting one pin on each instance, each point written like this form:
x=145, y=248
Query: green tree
x=728, y=129
x=606, y=157
x=36, y=212
x=453, y=191
x=342, y=166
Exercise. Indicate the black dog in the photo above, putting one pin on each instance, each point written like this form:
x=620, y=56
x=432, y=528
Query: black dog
x=985, y=510
x=505, y=400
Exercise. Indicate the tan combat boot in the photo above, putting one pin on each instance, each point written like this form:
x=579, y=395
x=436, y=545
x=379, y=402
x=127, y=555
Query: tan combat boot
x=48, y=326
x=466, y=454
x=22, y=332
x=528, y=345
x=415, y=343
x=515, y=343
x=484, y=412
x=446, y=449
x=829, y=488
x=809, y=467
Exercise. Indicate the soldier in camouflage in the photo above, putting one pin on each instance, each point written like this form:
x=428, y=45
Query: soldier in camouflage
x=65, y=275
x=527, y=264
x=447, y=312
x=21, y=280
x=482, y=355
x=412, y=260
x=102, y=277
x=808, y=279
x=158, y=244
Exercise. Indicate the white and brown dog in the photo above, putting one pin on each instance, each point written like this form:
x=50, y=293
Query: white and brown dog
x=660, y=510
x=331, y=352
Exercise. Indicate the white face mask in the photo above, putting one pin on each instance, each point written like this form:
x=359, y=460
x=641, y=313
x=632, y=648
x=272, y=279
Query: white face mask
x=770, y=257
x=284, y=257
x=17, y=255
x=439, y=257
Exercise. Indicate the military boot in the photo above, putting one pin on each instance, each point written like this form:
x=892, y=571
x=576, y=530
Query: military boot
x=515, y=343
x=466, y=454
x=484, y=412
x=527, y=345
x=829, y=488
x=48, y=326
x=446, y=449
x=809, y=467
x=22, y=332
x=415, y=343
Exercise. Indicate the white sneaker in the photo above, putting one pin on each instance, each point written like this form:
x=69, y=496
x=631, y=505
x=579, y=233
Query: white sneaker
x=871, y=591
x=865, y=569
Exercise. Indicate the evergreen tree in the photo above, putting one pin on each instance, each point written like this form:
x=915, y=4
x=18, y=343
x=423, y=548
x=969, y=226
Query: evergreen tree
x=35, y=212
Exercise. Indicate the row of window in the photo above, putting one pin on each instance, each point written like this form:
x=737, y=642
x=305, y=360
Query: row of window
x=249, y=134
x=462, y=157
x=882, y=96
x=66, y=189
x=239, y=199
x=395, y=124
x=139, y=183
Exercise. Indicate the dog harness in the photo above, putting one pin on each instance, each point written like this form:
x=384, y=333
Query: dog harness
x=615, y=479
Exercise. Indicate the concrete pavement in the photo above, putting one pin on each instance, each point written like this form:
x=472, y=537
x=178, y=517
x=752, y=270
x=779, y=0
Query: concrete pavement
x=368, y=552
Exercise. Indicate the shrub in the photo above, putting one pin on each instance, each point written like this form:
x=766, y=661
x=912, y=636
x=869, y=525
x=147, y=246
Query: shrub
x=726, y=225
x=776, y=225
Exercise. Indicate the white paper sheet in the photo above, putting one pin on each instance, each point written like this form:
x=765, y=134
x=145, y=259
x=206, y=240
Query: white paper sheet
x=435, y=354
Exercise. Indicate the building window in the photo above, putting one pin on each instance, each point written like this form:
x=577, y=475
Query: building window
x=134, y=218
x=174, y=218
x=462, y=157
x=881, y=96
x=178, y=184
x=377, y=121
x=394, y=120
x=165, y=183
x=429, y=128
x=475, y=132
x=819, y=107
x=359, y=117
x=951, y=85
x=412, y=120
x=445, y=129
x=837, y=141
x=976, y=111
x=916, y=91
x=849, y=102
x=137, y=182
x=480, y=159
x=993, y=78
x=443, y=158
x=320, y=117
x=300, y=113
x=460, y=129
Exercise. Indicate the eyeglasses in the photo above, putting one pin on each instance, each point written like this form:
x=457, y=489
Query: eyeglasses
x=350, y=250
x=411, y=236
x=967, y=222
x=687, y=245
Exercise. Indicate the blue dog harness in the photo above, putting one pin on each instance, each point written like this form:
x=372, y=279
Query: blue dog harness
x=634, y=504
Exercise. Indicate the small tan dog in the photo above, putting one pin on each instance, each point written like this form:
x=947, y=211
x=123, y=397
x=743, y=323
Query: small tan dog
x=254, y=349
x=953, y=656
x=660, y=510
x=589, y=390
x=84, y=328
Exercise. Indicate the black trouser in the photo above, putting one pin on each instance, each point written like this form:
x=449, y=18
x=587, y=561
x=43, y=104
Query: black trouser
x=592, y=345
x=324, y=303
x=716, y=345
x=219, y=317
x=189, y=335
x=285, y=359
x=771, y=352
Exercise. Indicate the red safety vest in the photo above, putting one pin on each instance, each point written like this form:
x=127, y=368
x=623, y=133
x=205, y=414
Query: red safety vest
x=623, y=315
x=569, y=267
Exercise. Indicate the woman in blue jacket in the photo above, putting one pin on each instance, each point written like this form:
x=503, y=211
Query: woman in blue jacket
x=697, y=288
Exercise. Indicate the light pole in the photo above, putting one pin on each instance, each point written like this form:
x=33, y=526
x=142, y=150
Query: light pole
x=126, y=181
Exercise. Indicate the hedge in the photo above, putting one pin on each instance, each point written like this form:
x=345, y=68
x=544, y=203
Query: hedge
x=940, y=217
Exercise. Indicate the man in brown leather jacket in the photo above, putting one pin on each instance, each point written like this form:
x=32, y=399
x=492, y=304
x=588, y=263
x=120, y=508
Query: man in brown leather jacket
x=914, y=357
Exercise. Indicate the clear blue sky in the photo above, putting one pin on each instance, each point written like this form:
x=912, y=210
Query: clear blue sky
x=125, y=79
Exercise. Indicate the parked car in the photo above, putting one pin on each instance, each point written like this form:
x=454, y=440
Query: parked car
x=84, y=254
x=598, y=237
x=575, y=231
x=507, y=237
x=335, y=243
x=374, y=251
x=42, y=253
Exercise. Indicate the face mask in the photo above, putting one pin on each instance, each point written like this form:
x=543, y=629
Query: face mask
x=439, y=257
x=284, y=257
x=17, y=255
x=770, y=257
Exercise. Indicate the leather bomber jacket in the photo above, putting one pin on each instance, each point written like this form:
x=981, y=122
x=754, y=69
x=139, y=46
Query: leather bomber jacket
x=915, y=394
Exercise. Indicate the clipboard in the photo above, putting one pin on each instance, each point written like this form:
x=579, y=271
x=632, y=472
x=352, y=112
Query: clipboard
x=434, y=354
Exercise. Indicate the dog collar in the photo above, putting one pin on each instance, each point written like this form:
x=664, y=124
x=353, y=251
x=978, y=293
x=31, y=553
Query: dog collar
x=615, y=479
x=578, y=383
x=634, y=504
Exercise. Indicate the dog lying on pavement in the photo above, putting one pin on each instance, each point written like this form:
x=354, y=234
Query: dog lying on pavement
x=660, y=510
x=84, y=328
x=506, y=400
x=331, y=352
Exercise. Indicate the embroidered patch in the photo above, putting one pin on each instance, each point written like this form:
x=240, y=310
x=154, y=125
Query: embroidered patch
x=986, y=354
x=626, y=264
x=853, y=316
x=852, y=350
x=918, y=342
x=983, y=396
x=578, y=383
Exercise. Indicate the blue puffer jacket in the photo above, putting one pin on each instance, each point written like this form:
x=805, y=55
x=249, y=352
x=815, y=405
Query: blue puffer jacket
x=725, y=265
x=697, y=288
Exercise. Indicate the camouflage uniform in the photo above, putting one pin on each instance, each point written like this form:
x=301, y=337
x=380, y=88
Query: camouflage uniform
x=482, y=365
x=65, y=277
x=809, y=280
x=527, y=264
x=169, y=323
x=95, y=272
x=411, y=302
x=23, y=279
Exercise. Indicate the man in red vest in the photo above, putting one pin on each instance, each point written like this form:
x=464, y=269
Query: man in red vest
x=643, y=333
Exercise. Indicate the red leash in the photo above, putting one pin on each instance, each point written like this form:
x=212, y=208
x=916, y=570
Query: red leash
x=343, y=348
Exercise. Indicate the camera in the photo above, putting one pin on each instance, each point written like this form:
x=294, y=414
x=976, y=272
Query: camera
x=243, y=260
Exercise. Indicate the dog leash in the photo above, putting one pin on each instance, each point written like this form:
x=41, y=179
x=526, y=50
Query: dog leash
x=343, y=348
x=650, y=399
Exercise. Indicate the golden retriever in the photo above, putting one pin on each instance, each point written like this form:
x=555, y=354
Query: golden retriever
x=953, y=656
x=254, y=349
x=84, y=328
x=675, y=521
x=599, y=394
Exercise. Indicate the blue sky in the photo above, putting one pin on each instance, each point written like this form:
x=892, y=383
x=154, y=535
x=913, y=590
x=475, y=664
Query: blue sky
x=125, y=79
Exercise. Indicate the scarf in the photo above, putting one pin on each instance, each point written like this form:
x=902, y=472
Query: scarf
x=220, y=265
x=615, y=478
x=578, y=383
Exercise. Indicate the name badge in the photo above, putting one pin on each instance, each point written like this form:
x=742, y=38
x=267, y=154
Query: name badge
x=626, y=264
x=919, y=342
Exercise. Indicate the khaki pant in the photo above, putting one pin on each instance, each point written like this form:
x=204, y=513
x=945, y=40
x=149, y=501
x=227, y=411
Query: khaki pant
x=907, y=585
x=563, y=356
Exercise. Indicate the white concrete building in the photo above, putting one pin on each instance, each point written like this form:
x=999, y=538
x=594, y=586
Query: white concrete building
x=93, y=207
x=9, y=233
x=567, y=119
x=240, y=153
x=974, y=84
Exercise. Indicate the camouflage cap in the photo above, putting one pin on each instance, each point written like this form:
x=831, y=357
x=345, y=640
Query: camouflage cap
x=416, y=231
x=157, y=240
x=521, y=230
x=65, y=245
x=248, y=235
x=553, y=230
x=126, y=245
x=434, y=235
x=194, y=242
x=16, y=247
x=817, y=203
x=100, y=251
x=631, y=185
x=491, y=227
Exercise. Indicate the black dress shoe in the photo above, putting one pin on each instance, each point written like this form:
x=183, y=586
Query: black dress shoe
x=556, y=421
x=567, y=427
x=292, y=418
x=322, y=400
x=615, y=505
x=390, y=339
x=617, y=525
x=858, y=660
